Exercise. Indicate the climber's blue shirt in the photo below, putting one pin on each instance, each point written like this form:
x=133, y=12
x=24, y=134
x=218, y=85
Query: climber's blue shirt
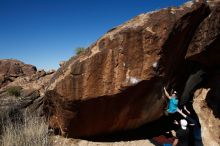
x=172, y=107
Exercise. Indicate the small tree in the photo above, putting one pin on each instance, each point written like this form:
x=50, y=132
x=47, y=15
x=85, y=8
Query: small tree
x=14, y=91
x=79, y=50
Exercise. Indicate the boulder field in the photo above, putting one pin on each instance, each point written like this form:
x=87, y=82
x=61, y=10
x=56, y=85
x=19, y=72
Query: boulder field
x=117, y=83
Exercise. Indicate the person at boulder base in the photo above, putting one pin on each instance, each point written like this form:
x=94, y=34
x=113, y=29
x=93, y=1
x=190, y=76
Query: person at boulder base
x=196, y=127
x=182, y=134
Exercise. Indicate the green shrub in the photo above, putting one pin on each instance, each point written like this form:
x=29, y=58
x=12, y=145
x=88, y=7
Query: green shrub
x=14, y=91
x=79, y=50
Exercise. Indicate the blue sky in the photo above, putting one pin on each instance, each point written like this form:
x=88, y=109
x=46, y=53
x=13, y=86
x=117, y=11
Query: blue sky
x=44, y=32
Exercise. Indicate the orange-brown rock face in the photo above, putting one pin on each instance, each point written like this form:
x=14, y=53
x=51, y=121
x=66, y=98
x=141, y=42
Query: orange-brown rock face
x=204, y=49
x=113, y=86
x=11, y=69
x=210, y=122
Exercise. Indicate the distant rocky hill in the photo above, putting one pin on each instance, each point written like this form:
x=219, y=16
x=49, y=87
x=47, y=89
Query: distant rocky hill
x=22, y=86
x=10, y=69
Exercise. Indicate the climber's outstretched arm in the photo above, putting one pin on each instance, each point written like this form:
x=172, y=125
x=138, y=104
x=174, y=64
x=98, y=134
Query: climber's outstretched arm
x=166, y=93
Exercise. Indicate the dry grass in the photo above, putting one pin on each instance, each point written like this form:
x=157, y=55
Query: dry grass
x=23, y=130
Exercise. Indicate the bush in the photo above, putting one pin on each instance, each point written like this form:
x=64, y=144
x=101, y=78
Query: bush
x=14, y=91
x=79, y=50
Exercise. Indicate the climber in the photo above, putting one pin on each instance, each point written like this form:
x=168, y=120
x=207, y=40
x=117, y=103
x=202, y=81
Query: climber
x=173, y=105
x=173, y=102
x=182, y=134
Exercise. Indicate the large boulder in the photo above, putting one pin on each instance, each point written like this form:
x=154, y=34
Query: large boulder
x=10, y=69
x=204, y=47
x=116, y=84
x=208, y=119
x=204, y=50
